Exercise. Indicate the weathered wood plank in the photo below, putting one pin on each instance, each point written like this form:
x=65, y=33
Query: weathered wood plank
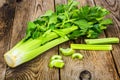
x=60, y=2
x=6, y=20
x=37, y=69
x=114, y=30
x=99, y=63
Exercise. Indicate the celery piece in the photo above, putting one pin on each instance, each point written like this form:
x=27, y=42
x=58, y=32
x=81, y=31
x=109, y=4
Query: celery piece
x=91, y=47
x=59, y=64
x=56, y=57
x=56, y=63
x=42, y=40
x=13, y=60
x=77, y=55
x=67, y=51
x=102, y=40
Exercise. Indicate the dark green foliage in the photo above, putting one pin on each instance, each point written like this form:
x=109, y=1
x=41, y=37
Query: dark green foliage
x=90, y=20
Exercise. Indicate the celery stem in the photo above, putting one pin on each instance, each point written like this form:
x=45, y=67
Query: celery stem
x=102, y=40
x=91, y=47
x=15, y=60
x=42, y=40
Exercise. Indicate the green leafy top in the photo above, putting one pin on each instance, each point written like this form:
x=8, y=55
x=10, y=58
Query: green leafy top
x=90, y=20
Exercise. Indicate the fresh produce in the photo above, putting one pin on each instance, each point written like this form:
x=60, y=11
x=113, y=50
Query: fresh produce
x=102, y=40
x=66, y=23
x=67, y=51
x=15, y=58
x=77, y=55
x=91, y=47
x=56, y=57
x=56, y=61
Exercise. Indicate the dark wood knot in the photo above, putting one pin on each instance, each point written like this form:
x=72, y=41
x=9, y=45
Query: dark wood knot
x=85, y=75
x=18, y=1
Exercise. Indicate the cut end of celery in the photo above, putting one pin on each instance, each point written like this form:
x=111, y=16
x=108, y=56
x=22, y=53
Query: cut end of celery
x=10, y=60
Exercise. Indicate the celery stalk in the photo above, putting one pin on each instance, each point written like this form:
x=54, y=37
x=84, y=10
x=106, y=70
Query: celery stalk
x=102, y=41
x=13, y=60
x=32, y=46
x=45, y=32
x=91, y=47
x=42, y=40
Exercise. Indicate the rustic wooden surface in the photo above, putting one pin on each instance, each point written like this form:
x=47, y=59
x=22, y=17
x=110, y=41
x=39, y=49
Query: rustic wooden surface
x=14, y=15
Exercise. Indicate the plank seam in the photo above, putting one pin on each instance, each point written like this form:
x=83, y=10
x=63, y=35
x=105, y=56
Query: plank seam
x=115, y=65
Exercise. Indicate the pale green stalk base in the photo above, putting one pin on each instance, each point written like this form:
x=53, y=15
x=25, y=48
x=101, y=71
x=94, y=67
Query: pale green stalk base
x=14, y=60
x=102, y=41
x=91, y=47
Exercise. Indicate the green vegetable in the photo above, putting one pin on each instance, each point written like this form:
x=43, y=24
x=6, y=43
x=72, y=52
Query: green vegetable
x=91, y=47
x=56, y=57
x=56, y=63
x=67, y=51
x=52, y=28
x=14, y=60
x=77, y=55
x=102, y=40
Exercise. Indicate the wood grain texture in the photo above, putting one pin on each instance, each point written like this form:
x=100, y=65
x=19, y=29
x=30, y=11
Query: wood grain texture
x=99, y=63
x=114, y=30
x=7, y=9
x=37, y=69
x=14, y=15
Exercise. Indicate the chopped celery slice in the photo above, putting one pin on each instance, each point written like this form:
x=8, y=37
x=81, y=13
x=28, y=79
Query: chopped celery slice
x=77, y=55
x=67, y=51
x=59, y=64
x=91, y=47
x=56, y=63
x=56, y=57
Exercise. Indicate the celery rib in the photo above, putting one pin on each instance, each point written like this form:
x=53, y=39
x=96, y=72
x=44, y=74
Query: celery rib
x=102, y=41
x=91, y=47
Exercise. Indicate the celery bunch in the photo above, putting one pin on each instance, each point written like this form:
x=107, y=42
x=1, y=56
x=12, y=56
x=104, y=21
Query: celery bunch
x=52, y=28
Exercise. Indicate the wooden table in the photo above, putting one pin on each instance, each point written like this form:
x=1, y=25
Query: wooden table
x=14, y=14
